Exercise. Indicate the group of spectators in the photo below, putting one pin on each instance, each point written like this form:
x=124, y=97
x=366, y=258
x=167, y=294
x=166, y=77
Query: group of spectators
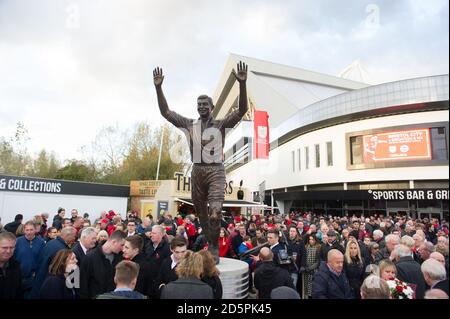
x=113, y=258
x=298, y=256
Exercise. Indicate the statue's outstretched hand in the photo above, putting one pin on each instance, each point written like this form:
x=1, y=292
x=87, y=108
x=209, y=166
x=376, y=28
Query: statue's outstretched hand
x=158, y=76
x=241, y=74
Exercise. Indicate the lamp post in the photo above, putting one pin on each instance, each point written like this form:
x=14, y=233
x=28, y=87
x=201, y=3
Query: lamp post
x=160, y=152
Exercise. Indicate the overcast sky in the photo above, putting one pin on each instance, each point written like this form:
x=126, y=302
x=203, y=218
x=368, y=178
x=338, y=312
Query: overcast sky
x=68, y=68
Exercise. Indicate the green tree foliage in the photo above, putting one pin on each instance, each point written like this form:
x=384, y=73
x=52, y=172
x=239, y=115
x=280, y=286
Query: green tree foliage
x=14, y=159
x=45, y=165
x=76, y=171
x=114, y=157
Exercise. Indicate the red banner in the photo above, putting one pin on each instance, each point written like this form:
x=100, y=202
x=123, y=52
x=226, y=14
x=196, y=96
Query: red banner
x=261, y=134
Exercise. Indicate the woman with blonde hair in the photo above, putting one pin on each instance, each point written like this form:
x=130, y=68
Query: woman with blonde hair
x=211, y=273
x=102, y=237
x=189, y=284
x=388, y=272
x=54, y=286
x=20, y=231
x=354, y=267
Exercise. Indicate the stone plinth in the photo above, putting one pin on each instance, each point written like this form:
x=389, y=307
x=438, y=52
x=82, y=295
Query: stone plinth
x=234, y=277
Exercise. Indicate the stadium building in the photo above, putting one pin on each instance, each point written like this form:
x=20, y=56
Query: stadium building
x=338, y=146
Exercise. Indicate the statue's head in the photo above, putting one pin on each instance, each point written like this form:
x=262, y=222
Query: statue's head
x=204, y=106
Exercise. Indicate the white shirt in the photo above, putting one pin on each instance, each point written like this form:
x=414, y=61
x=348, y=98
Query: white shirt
x=131, y=234
x=84, y=248
x=174, y=263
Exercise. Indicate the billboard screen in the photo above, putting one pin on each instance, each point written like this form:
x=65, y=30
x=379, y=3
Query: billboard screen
x=397, y=146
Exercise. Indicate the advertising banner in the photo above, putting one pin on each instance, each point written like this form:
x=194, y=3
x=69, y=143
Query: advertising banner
x=146, y=188
x=261, y=134
x=397, y=146
x=163, y=207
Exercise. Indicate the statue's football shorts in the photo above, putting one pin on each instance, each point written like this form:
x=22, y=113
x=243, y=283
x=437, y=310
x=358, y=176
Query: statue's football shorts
x=208, y=182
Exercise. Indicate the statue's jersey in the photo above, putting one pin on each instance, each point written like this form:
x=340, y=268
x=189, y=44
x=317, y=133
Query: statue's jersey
x=206, y=138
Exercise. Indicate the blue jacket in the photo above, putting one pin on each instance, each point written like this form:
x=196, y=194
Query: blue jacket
x=45, y=259
x=326, y=285
x=27, y=254
x=242, y=249
x=122, y=295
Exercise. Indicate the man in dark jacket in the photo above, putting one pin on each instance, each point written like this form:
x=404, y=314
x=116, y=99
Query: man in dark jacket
x=125, y=278
x=391, y=241
x=268, y=276
x=65, y=241
x=59, y=218
x=435, y=275
x=12, y=227
x=159, y=248
x=167, y=273
x=98, y=267
x=28, y=249
x=132, y=250
x=238, y=239
x=330, y=282
x=10, y=274
x=88, y=240
x=331, y=244
x=408, y=270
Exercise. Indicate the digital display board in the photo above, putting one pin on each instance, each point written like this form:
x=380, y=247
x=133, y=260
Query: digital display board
x=397, y=146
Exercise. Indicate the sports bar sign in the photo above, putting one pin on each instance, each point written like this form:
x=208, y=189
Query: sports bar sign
x=397, y=146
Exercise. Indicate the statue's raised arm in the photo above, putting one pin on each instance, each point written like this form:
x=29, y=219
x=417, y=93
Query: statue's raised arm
x=158, y=79
x=241, y=76
x=171, y=116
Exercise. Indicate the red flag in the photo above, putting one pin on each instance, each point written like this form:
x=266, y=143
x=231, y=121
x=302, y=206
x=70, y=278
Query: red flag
x=261, y=134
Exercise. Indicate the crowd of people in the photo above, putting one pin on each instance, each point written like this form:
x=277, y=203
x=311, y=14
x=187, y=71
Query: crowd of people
x=301, y=255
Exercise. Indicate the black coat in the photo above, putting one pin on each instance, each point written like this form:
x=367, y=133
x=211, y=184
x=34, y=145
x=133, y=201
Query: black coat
x=326, y=285
x=147, y=275
x=166, y=274
x=187, y=288
x=355, y=274
x=443, y=285
x=326, y=248
x=216, y=284
x=12, y=227
x=408, y=270
x=11, y=281
x=199, y=243
x=268, y=277
x=54, y=287
x=297, y=246
x=79, y=252
x=159, y=254
x=97, y=274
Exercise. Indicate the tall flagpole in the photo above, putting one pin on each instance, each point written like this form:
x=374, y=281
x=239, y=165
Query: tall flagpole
x=160, y=152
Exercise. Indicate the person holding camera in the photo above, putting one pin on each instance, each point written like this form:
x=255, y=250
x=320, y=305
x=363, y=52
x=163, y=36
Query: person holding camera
x=281, y=258
x=268, y=276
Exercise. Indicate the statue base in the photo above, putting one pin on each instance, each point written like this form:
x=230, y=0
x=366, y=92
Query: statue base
x=234, y=278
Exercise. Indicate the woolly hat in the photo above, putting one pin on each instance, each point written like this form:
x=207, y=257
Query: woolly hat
x=284, y=293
